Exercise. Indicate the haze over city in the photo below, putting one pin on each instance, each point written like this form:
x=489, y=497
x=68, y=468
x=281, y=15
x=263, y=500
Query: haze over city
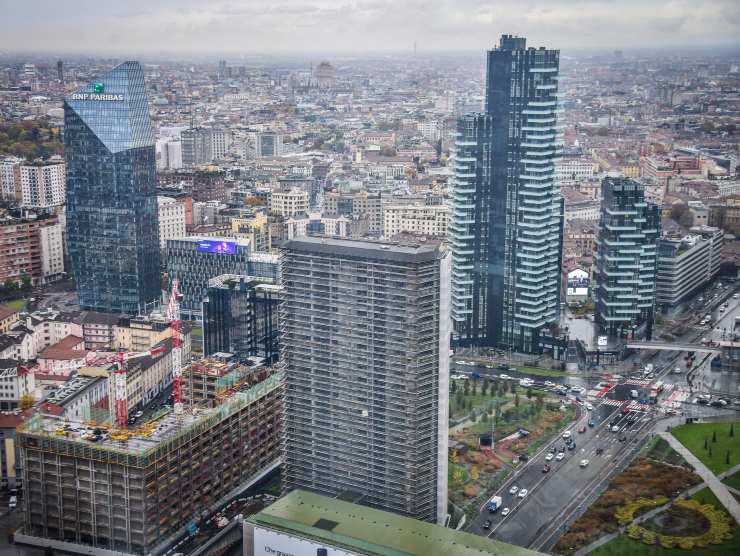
x=256, y=26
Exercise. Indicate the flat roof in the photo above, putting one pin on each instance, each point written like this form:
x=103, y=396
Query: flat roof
x=404, y=252
x=373, y=532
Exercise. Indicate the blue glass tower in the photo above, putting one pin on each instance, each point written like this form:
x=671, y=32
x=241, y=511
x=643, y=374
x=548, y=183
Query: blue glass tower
x=112, y=229
x=507, y=211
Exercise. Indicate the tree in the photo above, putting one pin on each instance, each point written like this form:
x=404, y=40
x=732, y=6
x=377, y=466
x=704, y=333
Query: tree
x=26, y=282
x=466, y=387
x=516, y=399
x=453, y=386
x=27, y=401
x=529, y=393
x=475, y=387
x=732, y=430
x=706, y=444
x=714, y=436
x=474, y=472
x=710, y=451
x=727, y=457
x=485, y=385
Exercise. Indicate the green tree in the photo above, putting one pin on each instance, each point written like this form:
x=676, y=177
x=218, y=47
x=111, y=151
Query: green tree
x=732, y=430
x=466, y=387
x=727, y=457
x=710, y=451
x=26, y=282
x=475, y=387
x=529, y=393
x=706, y=443
x=453, y=386
x=516, y=399
x=714, y=436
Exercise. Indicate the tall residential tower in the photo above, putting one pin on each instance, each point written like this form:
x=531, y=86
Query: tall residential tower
x=365, y=345
x=112, y=231
x=507, y=211
x=626, y=260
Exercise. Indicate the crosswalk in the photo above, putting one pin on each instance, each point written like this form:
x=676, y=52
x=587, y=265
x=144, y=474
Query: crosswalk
x=639, y=406
x=612, y=403
x=637, y=382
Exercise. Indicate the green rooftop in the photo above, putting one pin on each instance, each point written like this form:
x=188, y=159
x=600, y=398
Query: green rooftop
x=373, y=532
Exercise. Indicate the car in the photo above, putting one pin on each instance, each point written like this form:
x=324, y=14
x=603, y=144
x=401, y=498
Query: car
x=582, y=430
x=549, y=384
x=700, y=300
x=735, y=296
x=721, y=309
x=560, y=456
x=589, y=407
x=505, y=512
x=702, y=401
x=546, y=469
x=584, y=463
x=572, y=446
x=487, y=524
x=512, y=369
x=13, y=502
x=718, y=403
x=599, y=451
x=591, y=423
x=504, y=377
x=138, y=414
x=566, y=434
x=549, y=456
x=523, y=457
x=623, y=438
x=523, y=493
x=702, y=322
x=514, y=489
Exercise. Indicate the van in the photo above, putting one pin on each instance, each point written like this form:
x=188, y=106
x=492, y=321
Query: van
x=634, y=394
x=13, y=502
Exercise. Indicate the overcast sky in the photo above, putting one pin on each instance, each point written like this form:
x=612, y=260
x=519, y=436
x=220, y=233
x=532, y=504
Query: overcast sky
x=262, y=26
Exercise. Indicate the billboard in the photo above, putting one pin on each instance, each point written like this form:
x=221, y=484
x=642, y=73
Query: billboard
x=578, y=282
x=216, y=246
x=273, y=543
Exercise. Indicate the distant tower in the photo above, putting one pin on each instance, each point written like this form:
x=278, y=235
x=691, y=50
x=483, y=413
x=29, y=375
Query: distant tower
x=325, y=75
x=60, y=71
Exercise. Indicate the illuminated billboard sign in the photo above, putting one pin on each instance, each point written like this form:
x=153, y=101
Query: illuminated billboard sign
x=578, y=283
x=216, y=246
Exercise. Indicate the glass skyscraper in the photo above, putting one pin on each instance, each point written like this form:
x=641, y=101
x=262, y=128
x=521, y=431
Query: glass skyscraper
x=112, y=229
x=507, y=212
x=626, y=260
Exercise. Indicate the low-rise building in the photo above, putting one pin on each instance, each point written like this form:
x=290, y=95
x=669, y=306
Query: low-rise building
x=171, y=214
x=289, y=203
x=425, y=220
x=8, y=317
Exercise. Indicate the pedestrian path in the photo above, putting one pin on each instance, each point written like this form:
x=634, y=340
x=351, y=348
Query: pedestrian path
x=713, y=482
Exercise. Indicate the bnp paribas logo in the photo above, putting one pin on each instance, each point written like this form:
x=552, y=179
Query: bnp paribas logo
x=98, y=87
x=98, y=93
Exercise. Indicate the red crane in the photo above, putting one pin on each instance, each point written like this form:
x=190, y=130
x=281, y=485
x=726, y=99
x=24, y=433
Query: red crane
x=173, y=315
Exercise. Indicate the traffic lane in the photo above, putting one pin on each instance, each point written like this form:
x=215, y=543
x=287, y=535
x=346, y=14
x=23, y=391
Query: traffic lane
x=547, y=500
x=493, y=371
x=532, y=477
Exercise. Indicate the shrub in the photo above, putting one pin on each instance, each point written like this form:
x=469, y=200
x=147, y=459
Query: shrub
x=634, y=532
x=648, y=537
x=685, y=543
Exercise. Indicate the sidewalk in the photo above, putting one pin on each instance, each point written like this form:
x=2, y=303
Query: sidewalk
x=713, y=482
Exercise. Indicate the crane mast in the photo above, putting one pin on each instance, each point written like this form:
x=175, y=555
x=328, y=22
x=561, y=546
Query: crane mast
x=173, y=315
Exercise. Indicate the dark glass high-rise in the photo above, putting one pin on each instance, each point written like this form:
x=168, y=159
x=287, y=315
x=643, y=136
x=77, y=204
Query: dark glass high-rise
x=112, y=229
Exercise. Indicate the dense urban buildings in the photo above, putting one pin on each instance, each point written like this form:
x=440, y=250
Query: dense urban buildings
x=626, y=260
x=31, y=247
x=112, y=232
x=364, y=346
x=507, y=219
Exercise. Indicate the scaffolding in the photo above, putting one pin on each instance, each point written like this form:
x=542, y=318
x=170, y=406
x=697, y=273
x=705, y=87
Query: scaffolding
x=127, y=490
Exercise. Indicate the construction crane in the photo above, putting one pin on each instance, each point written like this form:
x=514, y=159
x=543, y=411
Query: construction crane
x=120, y=375
x=173, y=316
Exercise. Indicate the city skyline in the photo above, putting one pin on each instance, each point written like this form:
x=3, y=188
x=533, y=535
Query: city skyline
x=324, y=26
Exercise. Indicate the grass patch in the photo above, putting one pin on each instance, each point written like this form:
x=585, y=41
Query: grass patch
x=624, y=545
x=541, y=371
x=733, y=481
x=693, y=436
x=659, y=449
x=16, y=304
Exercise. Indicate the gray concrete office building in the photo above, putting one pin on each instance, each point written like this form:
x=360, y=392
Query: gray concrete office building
x=365, y=334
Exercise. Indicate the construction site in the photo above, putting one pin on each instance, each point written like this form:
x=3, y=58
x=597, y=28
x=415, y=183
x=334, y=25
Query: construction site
x=105, y=488
x=132, y=490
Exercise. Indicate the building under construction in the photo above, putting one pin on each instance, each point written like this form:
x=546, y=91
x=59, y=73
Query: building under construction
x=133, y=491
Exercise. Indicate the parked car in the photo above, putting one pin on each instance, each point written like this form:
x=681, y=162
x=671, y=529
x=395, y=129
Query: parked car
x=560, y=456
x=566, y=434
x=523, y=493
x=582, y=430
x=584, y=463
x=572, y=446
x=599, y=451
x=546, y=469
x=505, y=512
x=549, y=456
x=487, y=524
x=591, y=423
x=514, y=489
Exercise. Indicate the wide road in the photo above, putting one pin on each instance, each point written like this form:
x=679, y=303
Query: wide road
x=549, y=494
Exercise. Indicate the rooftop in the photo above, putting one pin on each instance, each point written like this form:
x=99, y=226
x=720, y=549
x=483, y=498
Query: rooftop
x=370, y=531
x=393, y=251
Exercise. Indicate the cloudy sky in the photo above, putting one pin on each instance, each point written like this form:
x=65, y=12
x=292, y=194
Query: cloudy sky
x=262, y=26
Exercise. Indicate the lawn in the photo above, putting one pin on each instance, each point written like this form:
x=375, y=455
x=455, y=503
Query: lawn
x=624, y=545
x=541, y=371
x=16, y=304
x=659, y=449
x=693, y=437
x=733, y=481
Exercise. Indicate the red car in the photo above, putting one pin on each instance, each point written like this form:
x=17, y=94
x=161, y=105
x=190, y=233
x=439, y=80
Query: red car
x=582, y=430
x=546, y=469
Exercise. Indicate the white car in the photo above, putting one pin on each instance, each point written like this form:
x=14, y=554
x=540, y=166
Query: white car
x=549, y=384
x=560, y=456
x=566, y=435
x=514, y=489
x=584, y=463
x=549, y=456
x=505, y=512
x=589, y=407
x=735, y=296
x=523, y=493
x=504, y=377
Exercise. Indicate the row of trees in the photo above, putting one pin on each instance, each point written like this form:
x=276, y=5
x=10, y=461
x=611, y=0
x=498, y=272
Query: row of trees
x=30, y=139
x=11, y=289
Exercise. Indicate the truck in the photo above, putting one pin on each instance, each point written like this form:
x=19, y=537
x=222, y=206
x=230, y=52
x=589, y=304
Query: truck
x=494, y=504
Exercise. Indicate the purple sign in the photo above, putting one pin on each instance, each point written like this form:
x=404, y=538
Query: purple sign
x=215, y=246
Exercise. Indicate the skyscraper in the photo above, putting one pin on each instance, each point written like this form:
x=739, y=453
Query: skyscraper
x=626, y=260
x=112, y=231
x=365, y=347
x=507, y=211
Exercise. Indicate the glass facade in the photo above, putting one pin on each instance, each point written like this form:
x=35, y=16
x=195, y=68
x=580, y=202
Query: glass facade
x=240, y=316
x=112, y=228
x=507, y=222
x=626, y=260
